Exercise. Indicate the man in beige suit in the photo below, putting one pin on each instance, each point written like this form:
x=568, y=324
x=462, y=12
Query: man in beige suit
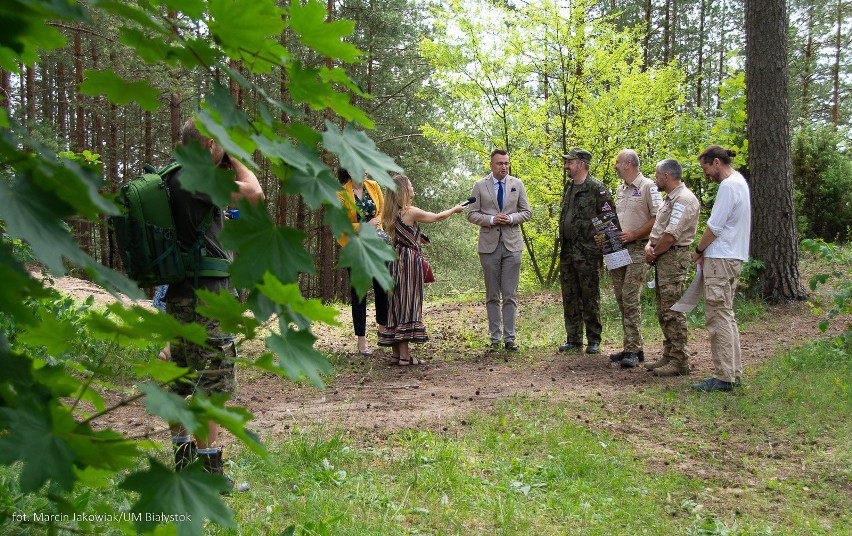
x=500, y=208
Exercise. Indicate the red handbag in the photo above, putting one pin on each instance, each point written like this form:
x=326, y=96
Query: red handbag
x=428, y=275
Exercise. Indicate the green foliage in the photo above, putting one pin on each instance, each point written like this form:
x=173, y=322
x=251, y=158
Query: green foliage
x=822, y=177
x=840, y=275
x=57, y=356
x=555, y=80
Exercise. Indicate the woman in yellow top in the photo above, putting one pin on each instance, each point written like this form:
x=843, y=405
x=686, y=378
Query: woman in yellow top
x=364, y=201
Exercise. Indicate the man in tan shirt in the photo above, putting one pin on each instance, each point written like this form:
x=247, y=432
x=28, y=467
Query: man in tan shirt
x=668, y=250
x=636, y=202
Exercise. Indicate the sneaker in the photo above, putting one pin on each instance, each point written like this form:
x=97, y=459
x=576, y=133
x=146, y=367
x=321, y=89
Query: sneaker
x=714, y=384
x=662, y=362
x=630, y=360
x=593, y=348
x=570, y=347
x=511, y=346
x=671, y=369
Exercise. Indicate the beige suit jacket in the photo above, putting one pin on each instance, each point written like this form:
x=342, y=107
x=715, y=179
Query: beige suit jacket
x=515, y=204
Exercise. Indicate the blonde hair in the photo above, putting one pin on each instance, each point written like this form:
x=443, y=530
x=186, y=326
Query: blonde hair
x=395, y=203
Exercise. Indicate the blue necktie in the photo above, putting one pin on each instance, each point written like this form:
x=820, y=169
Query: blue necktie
x=500, y=195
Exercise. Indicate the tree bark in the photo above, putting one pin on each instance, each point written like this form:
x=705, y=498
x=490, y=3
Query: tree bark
x=5, y=89
x=775, y=239
x=79, y=134
x=835, y=69
x=699, y=78
x=646, y=39
x=807, y=74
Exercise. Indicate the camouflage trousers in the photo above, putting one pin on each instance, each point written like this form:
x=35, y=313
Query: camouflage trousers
x=672, y=270
x=627, y=283
x=213, y=365
x=581, y=298
x=720, y=285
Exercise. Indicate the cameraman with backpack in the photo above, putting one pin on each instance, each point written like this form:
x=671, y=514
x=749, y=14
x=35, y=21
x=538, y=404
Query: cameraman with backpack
x=213, y=364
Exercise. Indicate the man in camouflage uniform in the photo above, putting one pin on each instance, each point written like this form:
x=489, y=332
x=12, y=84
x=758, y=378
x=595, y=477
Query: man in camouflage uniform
x=668, y=250
x=580, y=257
x=213, y=365
x=636, y=202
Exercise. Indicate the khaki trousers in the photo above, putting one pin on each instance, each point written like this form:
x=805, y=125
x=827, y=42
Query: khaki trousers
x=627, y=283
x=720, y=284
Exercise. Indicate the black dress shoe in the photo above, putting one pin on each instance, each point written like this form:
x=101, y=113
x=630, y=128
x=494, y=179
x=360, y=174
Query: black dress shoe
x=615, y=358
x=630, y=360
x=713, y=384
x=511, y=346
x=593, y=348
x=570, y=347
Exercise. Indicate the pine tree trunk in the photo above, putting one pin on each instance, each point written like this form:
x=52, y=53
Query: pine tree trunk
x=808, y=73
x=646, y=39
x=722, y=33
x=699, y=79
x=775, y=239
x=62, y=102
x=79, y=134
x=835, y=69
x=5, y=89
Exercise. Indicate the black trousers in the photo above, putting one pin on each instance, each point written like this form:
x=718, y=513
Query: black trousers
x=359, y=308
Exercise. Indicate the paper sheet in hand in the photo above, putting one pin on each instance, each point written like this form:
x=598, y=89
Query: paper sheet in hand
x=690, y=298
x=617, y=259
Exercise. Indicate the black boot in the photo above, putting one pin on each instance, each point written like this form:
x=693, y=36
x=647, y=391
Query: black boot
x=185, y=454
x=212, y=463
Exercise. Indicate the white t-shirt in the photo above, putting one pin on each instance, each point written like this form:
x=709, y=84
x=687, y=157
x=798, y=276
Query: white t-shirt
x=730, y=220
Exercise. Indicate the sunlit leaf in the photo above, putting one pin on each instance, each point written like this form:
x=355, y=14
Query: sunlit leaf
x=199, y=175
x=119, y=91
x=308, y=20
x=264, y=247
x=134, y=326
x=365, y=254
x=297, y=356
x=226, y=308
x=358, y=154
x=291, y=296
x=233, y=419
x=171, y=407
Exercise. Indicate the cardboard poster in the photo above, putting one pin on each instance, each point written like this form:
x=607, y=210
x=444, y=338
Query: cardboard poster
x=607, y=230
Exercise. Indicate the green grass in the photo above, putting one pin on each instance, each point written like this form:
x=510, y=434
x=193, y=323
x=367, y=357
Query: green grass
x=774, y=458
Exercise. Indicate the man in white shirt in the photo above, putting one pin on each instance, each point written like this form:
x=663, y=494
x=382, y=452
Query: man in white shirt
x=722, y=250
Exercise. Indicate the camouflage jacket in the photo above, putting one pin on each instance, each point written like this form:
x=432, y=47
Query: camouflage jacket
x=579, y=205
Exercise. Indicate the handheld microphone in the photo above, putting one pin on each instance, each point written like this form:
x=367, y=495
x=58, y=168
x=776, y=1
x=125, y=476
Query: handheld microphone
x=470, y=200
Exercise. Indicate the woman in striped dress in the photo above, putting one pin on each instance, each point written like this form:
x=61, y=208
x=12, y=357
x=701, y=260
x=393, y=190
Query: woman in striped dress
x=405, y=303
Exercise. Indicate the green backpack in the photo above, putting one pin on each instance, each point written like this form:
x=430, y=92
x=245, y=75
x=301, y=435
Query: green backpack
x=147, y=238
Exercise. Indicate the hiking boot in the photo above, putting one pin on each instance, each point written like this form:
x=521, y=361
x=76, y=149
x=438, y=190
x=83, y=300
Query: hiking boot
x=185, y=454
x=671, y=369
x=212, y=463
x=511, y=346
x=593, y=348
x=714, y=384
x=629, y=360
x=615, y=358
x=570, y=347
x=662, y=362
x=495, y=347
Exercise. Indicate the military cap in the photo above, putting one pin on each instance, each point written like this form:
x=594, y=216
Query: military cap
x=578, y=154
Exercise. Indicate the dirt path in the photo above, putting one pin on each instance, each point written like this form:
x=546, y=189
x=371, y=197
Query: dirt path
x=372, y=397
x=375, y=397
